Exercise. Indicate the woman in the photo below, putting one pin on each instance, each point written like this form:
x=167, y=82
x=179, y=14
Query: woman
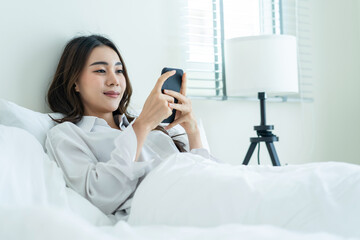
x=104, y=151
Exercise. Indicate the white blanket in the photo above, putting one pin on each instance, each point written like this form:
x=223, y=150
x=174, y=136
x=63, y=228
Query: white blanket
x=42, y=223
x=192, y=191
x=238, y=202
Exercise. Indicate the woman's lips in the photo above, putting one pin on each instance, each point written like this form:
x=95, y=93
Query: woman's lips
x=112, y=94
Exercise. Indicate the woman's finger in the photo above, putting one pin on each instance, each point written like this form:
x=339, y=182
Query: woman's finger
x=178, y=96
x=162, y=79
x=180, y=107
x=169, y=98
x=183, y=84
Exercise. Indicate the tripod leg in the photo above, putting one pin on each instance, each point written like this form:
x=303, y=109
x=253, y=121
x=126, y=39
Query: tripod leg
x=273, y=155
x=249, y=153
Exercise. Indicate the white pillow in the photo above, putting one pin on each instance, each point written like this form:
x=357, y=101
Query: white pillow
x=35, y=123
x=29, y=178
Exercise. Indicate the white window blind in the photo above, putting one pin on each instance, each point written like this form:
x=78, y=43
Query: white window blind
x=296, y=16
x=204, y=54
x=205, y=36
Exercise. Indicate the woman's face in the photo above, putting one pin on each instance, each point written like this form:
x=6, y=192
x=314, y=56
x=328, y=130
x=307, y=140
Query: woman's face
x=102, y=83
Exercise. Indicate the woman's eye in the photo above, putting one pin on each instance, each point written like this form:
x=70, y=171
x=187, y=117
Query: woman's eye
x=100, y=71
x=119, y=71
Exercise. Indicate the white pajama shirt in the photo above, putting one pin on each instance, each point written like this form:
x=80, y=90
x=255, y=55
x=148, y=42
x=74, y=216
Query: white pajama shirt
x=98, y=161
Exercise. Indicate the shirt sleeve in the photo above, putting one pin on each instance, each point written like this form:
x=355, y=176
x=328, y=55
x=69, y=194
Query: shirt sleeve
x=178, y=133
x=105, y=184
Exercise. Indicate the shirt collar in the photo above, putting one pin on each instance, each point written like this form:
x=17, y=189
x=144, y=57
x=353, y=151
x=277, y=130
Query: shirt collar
x=124, y=122
x=88, y=122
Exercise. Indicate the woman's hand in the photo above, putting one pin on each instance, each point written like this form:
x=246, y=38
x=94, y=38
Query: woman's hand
x=184, y=115
x=155, y=109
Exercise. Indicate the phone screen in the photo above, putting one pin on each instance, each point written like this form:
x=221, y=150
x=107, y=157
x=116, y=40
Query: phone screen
x=172, y=83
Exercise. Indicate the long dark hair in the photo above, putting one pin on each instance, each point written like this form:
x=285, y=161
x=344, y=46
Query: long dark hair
x=62, y=97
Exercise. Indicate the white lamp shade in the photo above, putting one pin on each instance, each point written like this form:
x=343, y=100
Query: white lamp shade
x=265, y=63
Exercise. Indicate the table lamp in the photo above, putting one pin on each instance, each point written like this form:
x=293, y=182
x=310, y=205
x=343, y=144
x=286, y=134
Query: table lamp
x=264, y=64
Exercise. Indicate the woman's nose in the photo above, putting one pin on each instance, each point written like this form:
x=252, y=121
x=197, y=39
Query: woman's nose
x=112, y=79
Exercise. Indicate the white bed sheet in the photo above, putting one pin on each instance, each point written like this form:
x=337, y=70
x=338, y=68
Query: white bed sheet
x=43, y=223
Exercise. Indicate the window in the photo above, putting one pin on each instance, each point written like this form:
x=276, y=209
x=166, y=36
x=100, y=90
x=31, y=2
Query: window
x=205, y=37
x=203, y=55
x=296, y=15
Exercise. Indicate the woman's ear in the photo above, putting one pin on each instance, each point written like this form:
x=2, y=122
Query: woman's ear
x=76, y=88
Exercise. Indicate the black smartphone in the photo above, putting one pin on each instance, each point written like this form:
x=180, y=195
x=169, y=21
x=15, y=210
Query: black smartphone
x=172, y=83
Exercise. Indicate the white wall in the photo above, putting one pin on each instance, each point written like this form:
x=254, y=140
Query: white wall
x=337, y=56
x=147, y=33
x=33, y=34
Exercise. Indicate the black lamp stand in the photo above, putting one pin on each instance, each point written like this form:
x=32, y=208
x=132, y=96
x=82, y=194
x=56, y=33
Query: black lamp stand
x=264, y=135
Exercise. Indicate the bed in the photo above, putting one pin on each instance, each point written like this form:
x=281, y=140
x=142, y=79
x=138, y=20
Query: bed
x=185, y=197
